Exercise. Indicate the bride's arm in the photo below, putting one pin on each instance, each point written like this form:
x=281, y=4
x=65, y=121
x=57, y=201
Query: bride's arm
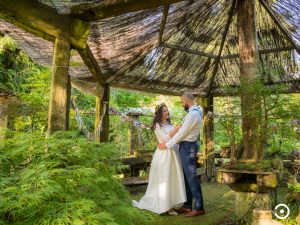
x=174, y=131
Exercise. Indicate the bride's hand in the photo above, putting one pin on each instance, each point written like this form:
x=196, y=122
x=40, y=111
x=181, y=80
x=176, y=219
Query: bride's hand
x=174, y=131
x=177, y=127
x=162, y=146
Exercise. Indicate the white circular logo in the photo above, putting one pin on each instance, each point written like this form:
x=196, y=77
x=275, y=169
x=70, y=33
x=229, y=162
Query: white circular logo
x=282, y=211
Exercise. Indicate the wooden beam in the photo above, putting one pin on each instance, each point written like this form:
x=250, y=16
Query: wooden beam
x=108, y=8
x=136, y=87
x=163, y=23
x=261, y=52
x=59, y=106
x=280, y=25
x=92, y=64
x=144, y=82
x=146, y=90
x=35, y=17
x=163, y=91
x=291, y=88
x=191, y=51
x=91, y=88
x=26, y=28
x=217, y=60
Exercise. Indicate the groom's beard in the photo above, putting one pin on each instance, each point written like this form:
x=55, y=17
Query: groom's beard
x=186, y=108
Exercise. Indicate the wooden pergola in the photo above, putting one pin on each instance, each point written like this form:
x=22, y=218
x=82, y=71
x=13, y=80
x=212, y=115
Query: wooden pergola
x=77, y=29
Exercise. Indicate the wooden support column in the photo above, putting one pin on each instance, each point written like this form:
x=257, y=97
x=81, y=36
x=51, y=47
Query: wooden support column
x=208, y=142
x=249, y=78
x=3, y=115
x=59, y=106
x=134, y=138
x=102, y=116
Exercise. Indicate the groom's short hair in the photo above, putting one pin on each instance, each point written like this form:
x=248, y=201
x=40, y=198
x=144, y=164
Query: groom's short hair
x=188, y=95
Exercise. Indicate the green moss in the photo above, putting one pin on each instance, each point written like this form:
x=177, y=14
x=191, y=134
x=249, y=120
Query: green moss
x=294, y=187
x=262, y=166
x=76, y=63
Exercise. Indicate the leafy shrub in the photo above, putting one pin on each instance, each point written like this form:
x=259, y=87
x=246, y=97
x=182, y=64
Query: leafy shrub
x=15, y=66
x=295, y=187
x=63, y=179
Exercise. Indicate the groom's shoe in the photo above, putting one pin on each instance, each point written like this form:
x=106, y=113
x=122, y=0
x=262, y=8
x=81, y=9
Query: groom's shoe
x=183, y=210
x=195, y=213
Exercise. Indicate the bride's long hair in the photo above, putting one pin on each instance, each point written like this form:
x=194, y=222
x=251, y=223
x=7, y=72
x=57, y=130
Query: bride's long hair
x=158, y=115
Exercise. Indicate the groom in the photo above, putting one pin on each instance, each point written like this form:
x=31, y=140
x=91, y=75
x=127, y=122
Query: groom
x=187, y=137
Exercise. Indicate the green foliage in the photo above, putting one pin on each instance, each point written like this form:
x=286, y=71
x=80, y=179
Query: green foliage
x=276, y=133
x=119, y=134
x=280, y=110
x=294, y=187
x=15, y=66
x=63, y=179
x=128, y=99
x=29, y=82
x=228, y=127
x=148, y=136
x=35, y=100
x=86, y=104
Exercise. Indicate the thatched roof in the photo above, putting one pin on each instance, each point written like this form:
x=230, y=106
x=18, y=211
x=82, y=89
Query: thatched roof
x=188, y=56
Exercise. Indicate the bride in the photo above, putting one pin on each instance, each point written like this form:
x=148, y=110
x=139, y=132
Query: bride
x=166, y=188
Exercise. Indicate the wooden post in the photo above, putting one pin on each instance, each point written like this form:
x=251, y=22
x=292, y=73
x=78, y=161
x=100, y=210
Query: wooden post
x=102, y=113
x=3, y=115
x=59, y=106
x=249, y=77
x=208, y=129
x=134, y=138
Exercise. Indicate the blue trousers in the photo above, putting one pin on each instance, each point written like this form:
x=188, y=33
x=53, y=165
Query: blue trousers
x=188, y=152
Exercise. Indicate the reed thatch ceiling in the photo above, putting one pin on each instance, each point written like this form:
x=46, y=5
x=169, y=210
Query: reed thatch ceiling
x=188, y=56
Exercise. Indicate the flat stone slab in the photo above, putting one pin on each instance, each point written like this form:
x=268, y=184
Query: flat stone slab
x=243, y=180
x=244, y=171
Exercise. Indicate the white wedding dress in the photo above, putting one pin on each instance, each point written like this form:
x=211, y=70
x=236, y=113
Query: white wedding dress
x=166, y=188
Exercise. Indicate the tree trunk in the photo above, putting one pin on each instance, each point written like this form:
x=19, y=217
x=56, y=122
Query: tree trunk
x=250, y=104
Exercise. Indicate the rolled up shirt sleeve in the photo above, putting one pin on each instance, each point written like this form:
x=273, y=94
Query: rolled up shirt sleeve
x=186, y=126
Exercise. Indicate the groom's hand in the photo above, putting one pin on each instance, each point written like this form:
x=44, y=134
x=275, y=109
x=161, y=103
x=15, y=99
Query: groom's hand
x=162, y=146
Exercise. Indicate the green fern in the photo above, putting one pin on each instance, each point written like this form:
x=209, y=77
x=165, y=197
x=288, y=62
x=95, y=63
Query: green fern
x=63, y=179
